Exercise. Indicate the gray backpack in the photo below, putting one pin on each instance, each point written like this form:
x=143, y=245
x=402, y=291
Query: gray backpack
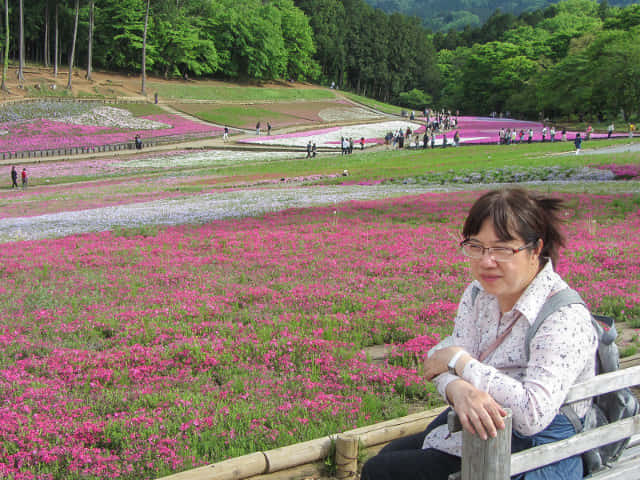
x=606, y=408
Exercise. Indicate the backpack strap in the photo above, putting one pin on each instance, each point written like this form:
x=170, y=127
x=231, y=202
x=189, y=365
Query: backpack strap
x=563, y=298
x=560, y=299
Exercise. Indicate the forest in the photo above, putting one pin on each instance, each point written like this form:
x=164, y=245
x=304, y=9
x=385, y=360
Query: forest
x=575, y=59
x=444, y=15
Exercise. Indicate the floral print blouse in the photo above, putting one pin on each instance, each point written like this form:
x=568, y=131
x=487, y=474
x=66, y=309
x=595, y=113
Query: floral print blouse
x=562, y=354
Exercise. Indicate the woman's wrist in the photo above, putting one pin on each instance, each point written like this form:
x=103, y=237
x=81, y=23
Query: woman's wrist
x=462, y=362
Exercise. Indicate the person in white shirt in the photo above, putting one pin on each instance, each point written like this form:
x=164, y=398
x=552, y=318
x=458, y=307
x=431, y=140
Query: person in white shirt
x=511, y=238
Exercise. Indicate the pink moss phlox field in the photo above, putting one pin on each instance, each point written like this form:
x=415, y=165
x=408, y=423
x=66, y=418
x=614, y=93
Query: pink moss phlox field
x=134, y=355
x=622, y=172
x=47, y=134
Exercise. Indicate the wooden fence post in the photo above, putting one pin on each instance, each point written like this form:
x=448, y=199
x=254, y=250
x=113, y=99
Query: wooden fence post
x=346, y=457
x=485, y=459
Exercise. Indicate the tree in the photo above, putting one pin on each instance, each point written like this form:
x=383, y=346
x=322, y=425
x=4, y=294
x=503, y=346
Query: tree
x=144, y=50
x=73, y=43
x=5, y=61
x=90, y=47
x=56, y=44
x=46, y=50
x=21, y=44
x=298, y=42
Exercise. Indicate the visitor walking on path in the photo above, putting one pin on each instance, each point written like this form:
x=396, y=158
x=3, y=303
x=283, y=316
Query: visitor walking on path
x=578, y=143
x=258, y=128
x=309, y=149
x=14, y=177
x=24, y=178
x=225, y=136
x=314, y=150
x=610, y=130
x=268, y=128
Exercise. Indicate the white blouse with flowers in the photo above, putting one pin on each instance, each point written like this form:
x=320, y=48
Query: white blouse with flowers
x=561, y=354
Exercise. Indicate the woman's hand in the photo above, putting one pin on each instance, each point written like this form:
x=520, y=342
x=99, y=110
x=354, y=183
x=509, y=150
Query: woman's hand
x=439, y=361
x=479, y=413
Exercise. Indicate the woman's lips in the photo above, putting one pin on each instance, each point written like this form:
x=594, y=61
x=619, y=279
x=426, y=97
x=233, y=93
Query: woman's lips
x=489, y=278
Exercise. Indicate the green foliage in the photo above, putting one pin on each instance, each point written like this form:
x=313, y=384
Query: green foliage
x=415, y=99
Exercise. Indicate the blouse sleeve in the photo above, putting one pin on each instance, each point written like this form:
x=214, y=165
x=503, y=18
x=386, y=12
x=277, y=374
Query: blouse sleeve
x=464, y=333
x=560, y=351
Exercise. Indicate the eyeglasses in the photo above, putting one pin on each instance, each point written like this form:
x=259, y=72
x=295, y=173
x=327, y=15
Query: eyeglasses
x=499, y=254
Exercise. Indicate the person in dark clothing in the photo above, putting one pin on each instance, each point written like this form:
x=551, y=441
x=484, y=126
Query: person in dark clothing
x=309, y=149
x=14, y=177
x=313, y=150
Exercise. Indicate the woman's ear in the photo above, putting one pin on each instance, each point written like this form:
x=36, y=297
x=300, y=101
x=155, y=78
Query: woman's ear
x=538, y=248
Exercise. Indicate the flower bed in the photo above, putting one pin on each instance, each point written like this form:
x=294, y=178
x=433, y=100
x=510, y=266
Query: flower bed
x=472, y=130
x=94, y=128
x=622, y=172
x=330, y=137
x=149, y=350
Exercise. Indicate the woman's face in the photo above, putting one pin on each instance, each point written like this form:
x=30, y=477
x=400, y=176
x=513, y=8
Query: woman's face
x=506, y=280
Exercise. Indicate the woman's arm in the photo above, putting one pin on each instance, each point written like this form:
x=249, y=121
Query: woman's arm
x=464, y=337
x=564, y=345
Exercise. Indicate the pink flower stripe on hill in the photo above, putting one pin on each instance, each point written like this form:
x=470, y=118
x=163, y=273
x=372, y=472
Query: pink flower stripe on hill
x=486, y=130
x=140, y=353
x=46, y=134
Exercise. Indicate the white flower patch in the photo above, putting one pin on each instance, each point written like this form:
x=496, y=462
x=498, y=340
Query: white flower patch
x=330, y=137
x=336, y=114
x=195, y=209
x=113, y=117
x=206, y=158
x=4, y=132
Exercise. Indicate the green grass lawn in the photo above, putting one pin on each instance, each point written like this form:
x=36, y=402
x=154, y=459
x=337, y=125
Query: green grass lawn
x=408, y=163
x=383, y=107
x=237, y=93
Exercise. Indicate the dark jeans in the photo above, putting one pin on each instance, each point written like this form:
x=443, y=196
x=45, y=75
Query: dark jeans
x=404, y=458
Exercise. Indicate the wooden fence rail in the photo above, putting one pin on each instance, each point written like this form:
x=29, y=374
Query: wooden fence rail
x=492, y=459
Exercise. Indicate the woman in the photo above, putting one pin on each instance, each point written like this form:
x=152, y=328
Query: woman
x=511, y=240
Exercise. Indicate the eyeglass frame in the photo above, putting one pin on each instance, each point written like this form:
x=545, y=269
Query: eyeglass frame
x=489, y=249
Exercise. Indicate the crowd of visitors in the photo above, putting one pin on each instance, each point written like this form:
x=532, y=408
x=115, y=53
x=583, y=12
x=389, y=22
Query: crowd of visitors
x=346, y=145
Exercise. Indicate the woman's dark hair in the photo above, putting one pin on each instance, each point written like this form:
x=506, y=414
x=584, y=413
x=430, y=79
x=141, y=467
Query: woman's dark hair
x=515, y=211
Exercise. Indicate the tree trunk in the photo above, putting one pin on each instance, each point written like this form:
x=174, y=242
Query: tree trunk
x=73, y=44
x=21, y=45
x=6, y=47
x=46, y=52
x=90, y=52
x=144, y=51
x=55, y=48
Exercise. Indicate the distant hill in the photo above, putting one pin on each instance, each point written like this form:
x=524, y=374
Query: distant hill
x=442, y=15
